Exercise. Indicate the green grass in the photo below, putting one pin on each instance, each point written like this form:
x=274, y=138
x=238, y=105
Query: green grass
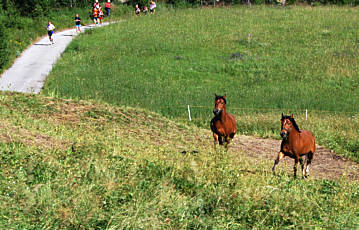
x=296, y=58
x=83, y=165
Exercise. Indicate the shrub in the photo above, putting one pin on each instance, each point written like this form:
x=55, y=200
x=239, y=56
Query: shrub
x=4, y=45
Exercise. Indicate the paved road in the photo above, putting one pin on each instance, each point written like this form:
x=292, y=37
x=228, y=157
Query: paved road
x=30, y=70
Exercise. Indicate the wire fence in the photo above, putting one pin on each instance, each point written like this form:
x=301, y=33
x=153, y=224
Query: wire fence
x=281, y=109
x=185, y=107
x=193, y=110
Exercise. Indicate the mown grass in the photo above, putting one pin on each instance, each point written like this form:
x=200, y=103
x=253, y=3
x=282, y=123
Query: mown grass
x=83, y=165
x=295, y=58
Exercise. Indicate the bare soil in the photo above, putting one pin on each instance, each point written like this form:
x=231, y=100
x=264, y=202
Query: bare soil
x=325, y=163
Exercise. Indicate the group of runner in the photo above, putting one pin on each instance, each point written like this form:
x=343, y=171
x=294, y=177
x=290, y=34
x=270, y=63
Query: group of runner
x=98, y=14
x=145, y=9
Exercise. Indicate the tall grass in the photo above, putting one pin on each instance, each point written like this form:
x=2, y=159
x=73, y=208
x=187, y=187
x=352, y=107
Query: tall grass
x=84, y=165
x=264, y=58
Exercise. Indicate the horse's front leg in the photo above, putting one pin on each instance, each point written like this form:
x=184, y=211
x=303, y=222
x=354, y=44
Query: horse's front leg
x=279, y=157
x=226, y=142
x=220, y=140
x=215, y=137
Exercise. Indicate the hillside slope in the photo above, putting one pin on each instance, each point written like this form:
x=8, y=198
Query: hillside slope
x=78, y=164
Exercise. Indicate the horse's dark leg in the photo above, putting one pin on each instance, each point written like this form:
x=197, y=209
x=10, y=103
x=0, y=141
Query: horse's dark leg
x=302, y=164
x=309, y=161
x=220, y=140
x=226, y=143
x=228, y=140
x=279, y=157
x=295, y=165
x=215, y=137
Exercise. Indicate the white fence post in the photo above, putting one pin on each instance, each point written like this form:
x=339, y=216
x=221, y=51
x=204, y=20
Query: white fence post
x=306, y=114
x=189, y=113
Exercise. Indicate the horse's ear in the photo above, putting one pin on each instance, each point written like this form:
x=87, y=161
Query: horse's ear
x=291, y=116
x=282, y=116
x=215, y=95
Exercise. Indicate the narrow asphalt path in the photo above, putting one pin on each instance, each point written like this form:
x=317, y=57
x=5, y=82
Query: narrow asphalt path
x=29, y=71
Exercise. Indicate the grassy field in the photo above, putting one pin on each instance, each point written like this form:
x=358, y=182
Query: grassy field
x=83, y=165
x=268, y=60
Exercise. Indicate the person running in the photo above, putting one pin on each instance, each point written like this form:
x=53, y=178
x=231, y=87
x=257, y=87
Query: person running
x=108, y=7
x=78, y=23
x=95, y=15
x=145, y=10
x=137, y=10
x=50, y=31
x=100, y=15
x=152, y=7
x=96, y=4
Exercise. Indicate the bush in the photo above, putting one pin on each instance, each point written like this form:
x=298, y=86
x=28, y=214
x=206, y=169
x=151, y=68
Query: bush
x=4, y=45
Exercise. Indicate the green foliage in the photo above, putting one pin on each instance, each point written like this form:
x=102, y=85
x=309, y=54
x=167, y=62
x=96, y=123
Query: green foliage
x=4, y=44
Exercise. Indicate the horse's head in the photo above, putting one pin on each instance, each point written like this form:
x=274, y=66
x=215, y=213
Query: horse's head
x=288, y=123
x=286, y=127
x=219, y=104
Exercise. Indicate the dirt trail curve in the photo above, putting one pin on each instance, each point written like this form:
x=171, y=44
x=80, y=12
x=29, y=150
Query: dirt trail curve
x=325, y=164
x=29, y=71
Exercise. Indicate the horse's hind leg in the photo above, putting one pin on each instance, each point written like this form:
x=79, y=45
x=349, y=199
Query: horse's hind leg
x=302, y=164
x=296, y=161
x=309, y=161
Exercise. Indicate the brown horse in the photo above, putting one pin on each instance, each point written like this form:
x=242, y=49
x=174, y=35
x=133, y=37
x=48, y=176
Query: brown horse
x=223, y=125
x=295, y=144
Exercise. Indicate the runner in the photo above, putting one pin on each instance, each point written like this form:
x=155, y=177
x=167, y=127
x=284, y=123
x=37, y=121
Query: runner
x=145, y=10
x=100, y=15
x=50, y=31
x=152, y=7
x=108, y=7
x=137, y=10
x=95, y=15
x=78, y=23
x=96, y=4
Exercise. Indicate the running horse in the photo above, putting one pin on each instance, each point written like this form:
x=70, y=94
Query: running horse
x=295, y=144
x=223, y=124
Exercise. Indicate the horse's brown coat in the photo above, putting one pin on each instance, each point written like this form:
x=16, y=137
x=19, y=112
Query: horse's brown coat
x=295, y=144
x=223, y=124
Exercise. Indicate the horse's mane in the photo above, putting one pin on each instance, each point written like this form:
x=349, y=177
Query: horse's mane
x=221, y=97
x=293, y=122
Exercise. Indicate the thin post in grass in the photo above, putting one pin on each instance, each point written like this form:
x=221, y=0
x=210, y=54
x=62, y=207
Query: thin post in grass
x=189, y=113
x=306, y=114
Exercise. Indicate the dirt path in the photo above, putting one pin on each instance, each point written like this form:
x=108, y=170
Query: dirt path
x=325, y=164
